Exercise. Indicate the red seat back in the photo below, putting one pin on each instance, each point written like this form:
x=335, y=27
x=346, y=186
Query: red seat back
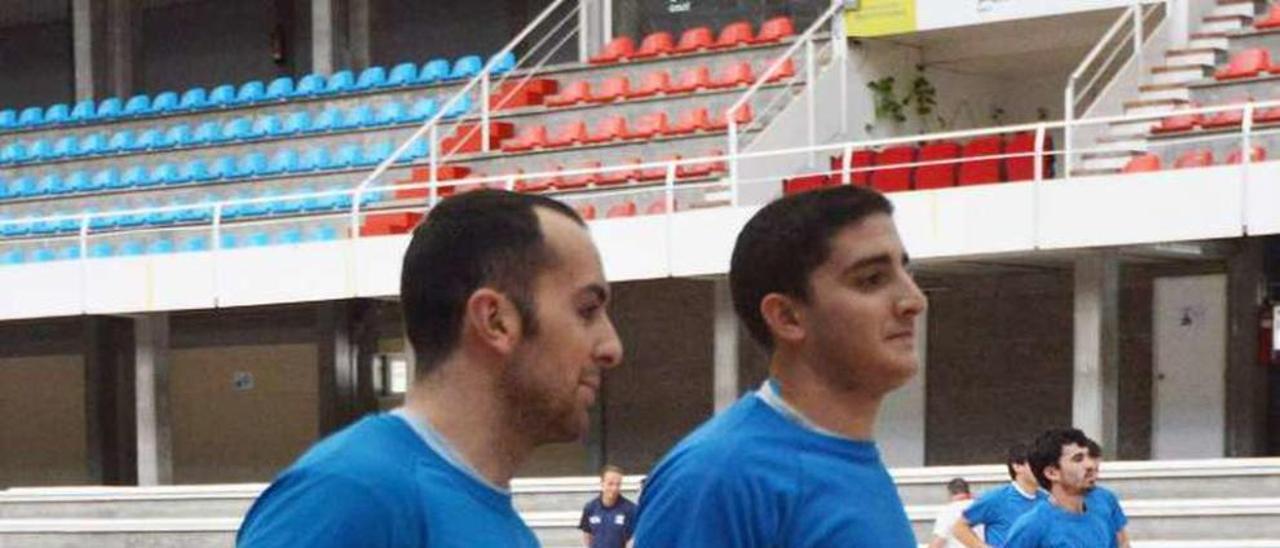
x=652, y=83
x=587, y=212
x=1142, y=164
x=658, y=43
x=735, y=33
x=624, y=209
x=1194, y=158
x=1257, y=154
x=887, y=178
x=937, y=173
x=617, y=49
x=1272, y=20
x=695, y=39
x=980, y=165
x=1247, y=63
x=786, y=70
x=1022, y=167
x=776, y=29
x=650, y=124
x=614, y=87
x=736, y=74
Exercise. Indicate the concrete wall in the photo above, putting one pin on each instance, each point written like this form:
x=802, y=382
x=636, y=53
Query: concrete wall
x=411, y=30
x=36, y=65
x=42, y=421
x=206, y=43
x=640, y=17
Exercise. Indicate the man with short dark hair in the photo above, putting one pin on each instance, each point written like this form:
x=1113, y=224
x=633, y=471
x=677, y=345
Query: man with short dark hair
x=504, y=306
x=1063, y=466
x=943, y=525
x=609, y=519
x=1106, y=504
x=820, y=280
x=997, y=509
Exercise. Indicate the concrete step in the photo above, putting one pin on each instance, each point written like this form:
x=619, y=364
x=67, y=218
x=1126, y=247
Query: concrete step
x=1225, y=23
x=1124, y=142
x=1249, y=8
x=1210, y=40
x=1105, y=162
x=1093, y=172
x=1198, y=56
x=1159, y=106
x=1180, y=73
x=1131, y=129
x=1166, y=91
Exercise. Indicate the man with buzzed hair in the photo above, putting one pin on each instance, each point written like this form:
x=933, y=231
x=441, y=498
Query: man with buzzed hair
x=504, y=302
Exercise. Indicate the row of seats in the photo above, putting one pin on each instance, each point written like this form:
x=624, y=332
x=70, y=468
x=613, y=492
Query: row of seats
x=1191, y=158
x=234, y=130
x=942, y=164
x=227, y=95
x=738, y=33
x=558, y=182
x=616, y=128
x=1248, y=63
x=164, y=246
x=1184, y=122
x=198, y=171
x=624, y=209
x=692, y=79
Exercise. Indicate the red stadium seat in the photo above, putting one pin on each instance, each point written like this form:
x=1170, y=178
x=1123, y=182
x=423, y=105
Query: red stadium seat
x=980, y=166
x=887, y=178
x=805, y=183
x=1271, y=21
x=691, y=80
x=608, y=129
x=736, y=74
x=618, y=49
x=1022, y=166
x=658, y=173
x=775, y=29
x=695, y=39
x=531, y=137
x=653, y=84
x=621, y=176
x=1194, y=158
x=1142, y=164
x=690, y=121
x=570, y=182
x=1246, y=64
x=1257, y=154
x=859, y=174
x=569, y=134
x=734, y=34
x=1223, y=119
x=538, y=184
x=586, y=211
x=701, y=169
x=624, y=209
x=939, y=173
x=742, y=116
x=657, y=207
x=786, y=70
x=649, y=126
x=514, y=95
x=612, y=89
x=653, y=45
x=1178, y=122
x=573, y=94
x=1267, y=115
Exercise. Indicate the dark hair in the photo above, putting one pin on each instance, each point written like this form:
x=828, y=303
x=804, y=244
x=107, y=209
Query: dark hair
x=958, y=486
x=786, y=241
x=1095, y=450
x=1048, y=449
x=485, y=238
x=1017, y=455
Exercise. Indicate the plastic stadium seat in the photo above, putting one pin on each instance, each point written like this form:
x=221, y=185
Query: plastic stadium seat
x=568, y=134
x=267, y=126
x=8, y=119
x=57, y=114
x=503, y=63
x=886, y=177
x=608, y=129
x=734, y=34
x=138, y=105
x=466, y=67
x=311, y=84
x=322, y=233
x=936, y=171
x=652, y=84
x=582, y=180
x=316, y=158
x=459, y=108
x=110, y=108
x=222, y=167
x=122, y=141
x=66, y=147
x=279, y=89
x=1246, y=64
x=741, y=117
x=649, y=126
x=289, y=236
x=657, y=173
x=702, y=169
x=653, y=45
x=1194, y=158
x=13, y=153
x=165, y=102
x=1271, y=20
x=695, y=39
x=78, y=181
x=690, y=121
x=131, y=248
x=94, y=143
x=237, y=129
x=1257, y=154
x=786, y=70
x=1223, y=119
x=391, y=113
x=30, y=117
x=69, y=252
x=328, y=120
x=137, y=176
x=735, y=74
x=657, y=207
x=228, y=240
x=612, y=89
x=372, y=77
x=1021, y=164
x=586, y=211
x=179, y=136
x=39, y=150
x=251, y=92
x=434, y=71
x=257, y=239
x=151, y=139
x=619, y=49
x=423, y=109
x=692, y=79
x=402, y=75
x=43, y=255
x=195, y=171
x=295, y=123
x=775, y=29
x=979, y=167
x=348, y=155
x=192, y=99
x=83, y=111
x=251, y=164
x=169, y=174
x=50, y=184
x=529, y=138
x=207, y=133
x=12, y=256
x=1178, y=122
x=340, y=82
x=357, y=117
x=377, y=152
x=571, y=95
x=193, y=244
x=222, y=96
x=109, y=179
x=1143, y=163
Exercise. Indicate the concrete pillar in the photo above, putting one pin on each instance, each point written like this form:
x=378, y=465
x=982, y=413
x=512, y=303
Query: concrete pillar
x=151, y=366
x=347, y=339
x=123, y=46
x=359, y=32
x=591, y=28
x=725, y=328
x=1096, y=379
x=110, y=427
x=1247, y=386
x=106, y=36
x=88, y=49
x=323, y=46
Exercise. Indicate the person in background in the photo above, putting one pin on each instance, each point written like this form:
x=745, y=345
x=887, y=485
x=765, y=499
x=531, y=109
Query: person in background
x=961, y=498
x=609, y=519
x=998, y=508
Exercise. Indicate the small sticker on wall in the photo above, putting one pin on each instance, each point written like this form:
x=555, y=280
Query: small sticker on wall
x=679, y=6
x=242, y=381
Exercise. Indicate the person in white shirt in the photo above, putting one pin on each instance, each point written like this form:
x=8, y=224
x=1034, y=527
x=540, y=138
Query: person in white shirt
x=961, y=498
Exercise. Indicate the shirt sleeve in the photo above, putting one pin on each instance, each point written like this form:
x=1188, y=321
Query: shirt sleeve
x=946, y=520
x=318, y=511
x=980, y=511
x=1027, y=532
x=1118, y=518
x=584, y=523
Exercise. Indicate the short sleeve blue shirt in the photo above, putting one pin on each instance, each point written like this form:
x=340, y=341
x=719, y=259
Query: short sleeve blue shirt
x=1104, y=503
x=376, y=483
x=609, y=526
x=997, y=509
x=1047, y=526
x=752, y=477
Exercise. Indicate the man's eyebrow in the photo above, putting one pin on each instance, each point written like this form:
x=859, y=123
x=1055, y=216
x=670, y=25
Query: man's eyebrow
x=597, y=290
x=882, y=258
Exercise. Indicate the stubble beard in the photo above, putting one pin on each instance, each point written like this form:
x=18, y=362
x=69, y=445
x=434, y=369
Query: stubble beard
x=533, y=410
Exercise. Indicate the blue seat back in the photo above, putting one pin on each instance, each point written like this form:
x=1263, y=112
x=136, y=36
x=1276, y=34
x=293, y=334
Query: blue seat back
x=110, y=108
x=460, y=107
x=161, y=246
x=434, y=71
x=316, y=158
x=193, y=99
x=268, y=126
x=251, y=92
x=78, y=181
x=50, y=184
x=152, y=139
x=391, y=113
x=40, y=149
x=13, y=153
x=8, y=118
x=194, y=243
x=222, y=96
x=207, y=132
x=83, y=111
x=308, y=85
x=31, y=116
x=137, y=176
x=131, y=248
x=284, y=161
x=289, y=236
x=423, y=109
x=503, y=63
x=166, y=173
x=66, y=147
x=237, y=129
x=403, y=75
x=122, y=141
x=251, y=164
x=101, y=250
x=178, y=136
x=357, y=117
x=94, y=143
x=466, y=67
x=165, y=102
x=57, y=114
x=340, y=82
x=280, y=88
x=43, y=255
x=69, y=252
x=377, y=152
x=108, y=178
x=228, y=240
x=327, y=120
x=258, y=239
x=195, y=170
x=322, y=233
x=137, y=105
x=419, y=148
x=372, y=77
x=224, y=167
x=348, y=155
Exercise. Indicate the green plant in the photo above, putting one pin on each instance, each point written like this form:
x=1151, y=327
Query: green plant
x=888, y=106
x=922, y=97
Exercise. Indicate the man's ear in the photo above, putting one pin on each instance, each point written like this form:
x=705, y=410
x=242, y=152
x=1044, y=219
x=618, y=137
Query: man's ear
x=1052, y=473
x=491, y=319
x=783, y=316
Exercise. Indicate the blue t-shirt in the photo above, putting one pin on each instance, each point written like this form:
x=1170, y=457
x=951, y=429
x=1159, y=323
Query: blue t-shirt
x=752, y=477
x=1104, y=503
x=1047, y=526
x=610, y=526
x=997, y=509
x=377, y=484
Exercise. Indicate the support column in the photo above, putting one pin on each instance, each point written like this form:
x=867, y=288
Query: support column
x=110, y=427
x=359, y=32
x=88, y=49
x=106, y=38
x=323, y=43
x=725, y=373
x=123, y=40
x=1246, y=382
x=151, y=362
x=591, y=28
x=1096, y=378
x=900, y=426
x=347, y=337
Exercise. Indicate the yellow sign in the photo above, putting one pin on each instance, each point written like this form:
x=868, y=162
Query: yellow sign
x=880, y=18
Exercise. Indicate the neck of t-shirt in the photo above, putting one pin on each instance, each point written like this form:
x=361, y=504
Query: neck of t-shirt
x=772, y=396
x=441, y=446
x=1018, y=487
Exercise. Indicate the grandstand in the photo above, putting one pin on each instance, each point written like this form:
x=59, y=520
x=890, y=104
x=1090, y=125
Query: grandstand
x=203, y=207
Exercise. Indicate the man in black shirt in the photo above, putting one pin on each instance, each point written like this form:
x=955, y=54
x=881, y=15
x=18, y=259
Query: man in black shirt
x=607, y=520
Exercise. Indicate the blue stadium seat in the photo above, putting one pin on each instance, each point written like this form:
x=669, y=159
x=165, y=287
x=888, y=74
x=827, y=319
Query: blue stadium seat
x=162, y=217
x=296, y=122
x=131, y=248
x=78, y=181
x=505, y=63
x=284, y=161
x=322, y=233
x=280, y=89
x=40, y=150
x=50, y=184
x=316, y=158
x=102, y=221
x=121, y=141
x=221, y=96
x=166, y=174
x=258, y=239
x=289, y=236
x=68, y=222
x=165, y=102
x=309, y=85
x=37, y=189
x=138, y=105
x=84, y=111
x=268, y=126
x=251, y=164
x=151, y=139
x=94, y=143
x=13, y=153
x=223, y=167
x=178, y=136
x=237, y=129
x=31, y=117
x=127, y=220
x=340, y=82
x=42, y=227
x=251, y=92
x=372, y=77
x=348, y=155
x=4, y=192
x=402, y=75
x=357, y=117
x=110, y=108
x=422, y=110
x=466, y=67
x=196, y=212
x=283, y=205
x=326, y=202
x=69, y=252
x=109, y=179
x=8, y=119
x=43, y=255
x=434, y=71
x=16, y=227
x=377, y=152
x=193, y=99
x=22, y=187
x=194, y=243
x=101, y=250
x=12, y=256
x=228, y=241
x=391, y=113
x=327, y=120
x=459, y=108
x=137, y=176
x=66, y=147
x=207, y=133
x=57, y=114
x=195, y=171
x=261, y=207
